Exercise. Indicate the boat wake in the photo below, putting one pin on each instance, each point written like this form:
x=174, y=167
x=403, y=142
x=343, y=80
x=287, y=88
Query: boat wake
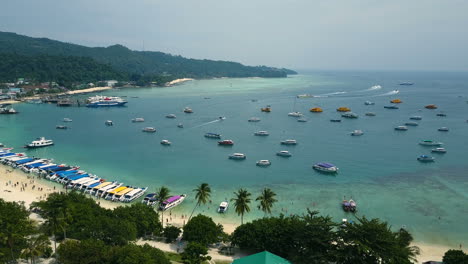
x=373, y=88
x=389, y=93
x=207, y=123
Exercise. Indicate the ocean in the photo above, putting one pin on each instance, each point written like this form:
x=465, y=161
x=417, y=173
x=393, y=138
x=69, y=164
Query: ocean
x=378, y=170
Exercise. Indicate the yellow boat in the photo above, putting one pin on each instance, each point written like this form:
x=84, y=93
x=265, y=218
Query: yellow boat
x=118, y=190
x=396, y=101
x=343, y=109
x=104, y=184
x=266, y=109
x=316, y=110
x=118, y=195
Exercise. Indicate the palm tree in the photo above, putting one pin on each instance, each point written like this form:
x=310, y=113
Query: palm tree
x=267, y=199
x=36, y=247
x=203, y=195
x=162, y=194
x=241, y=203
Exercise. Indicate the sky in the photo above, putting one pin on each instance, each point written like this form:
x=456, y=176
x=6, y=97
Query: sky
x=298, y=34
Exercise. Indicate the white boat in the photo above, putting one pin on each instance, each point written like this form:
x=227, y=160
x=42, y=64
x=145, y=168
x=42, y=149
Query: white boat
x=180, y=125
x=138, y=120
x=172, y=202
x=109, y=123
x=443, y=129
x=171, y=116
x=66, y=119
x=149, y=129
x=369, y=103
x=439, y=150
x=165, y=142
x=105, y=101
x=263, y=163
x=425, y=158
x=223, y=206
x=212, y=135
x=350, y=115
x=254, y=119
x=136, y=193
x=289, y=142
x=295, y=114
x=261, y=133
x=401, y=128
x=283, y=153
x=325, y=167
x=237, y=156
x=430, y=143
x=304, y=96
x=40, y=142
x=357, y=132
x=188, y=110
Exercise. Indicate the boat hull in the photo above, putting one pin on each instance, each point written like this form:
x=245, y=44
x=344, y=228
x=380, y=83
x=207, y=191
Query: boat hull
x=95, y=105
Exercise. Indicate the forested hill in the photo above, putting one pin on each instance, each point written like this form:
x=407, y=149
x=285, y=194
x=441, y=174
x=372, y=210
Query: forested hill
x=136, y=62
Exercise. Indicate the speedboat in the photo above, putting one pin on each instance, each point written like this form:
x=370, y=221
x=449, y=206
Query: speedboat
x=357, y=133
x=171, y=116
x=180, y=125
x=370, y=114
x=439, y=150
x=223, y=206
x=411, y=124
x=369, y=103
x=172, y=202
x=237, y=156
x=349, y=206
x=226, y=142
x=109, y=123
x=416, y=118
x=431, y=106
x=343, y=109
x=150, y=199
x=261, y=133
x=40, y=142
x=441, y=114
x=325, y=167
x=212, y=135
x=283, y=153
x=165, y=142
x=289, y=142
x=430, y=143
x=254, y=119
x=66, y=119
x=266, y=109
x=149, y=129
x=105, y=101
x=425, y=158
x=61, y=127
x=391, y=106
x=304, y=96
x=335, y=120
x=138, y=120
x=401, y=128
x=443, y=129
x=406, y=83
x=396, y=101
x=316, y=110
x=263, y=163
x=221, y=118
x=295, y=114
x=302, y=119
x=130, y=196
x=349, y=115
x=188, y=110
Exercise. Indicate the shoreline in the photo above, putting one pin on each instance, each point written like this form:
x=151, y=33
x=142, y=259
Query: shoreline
x=177, y=81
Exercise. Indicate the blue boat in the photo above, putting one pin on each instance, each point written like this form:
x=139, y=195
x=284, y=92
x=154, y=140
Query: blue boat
x=391, y=107
x=23, y=161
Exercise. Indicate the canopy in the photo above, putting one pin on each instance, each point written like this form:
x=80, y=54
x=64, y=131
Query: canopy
x=264, y=257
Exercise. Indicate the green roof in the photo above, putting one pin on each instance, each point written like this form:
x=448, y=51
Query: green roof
x=264, y=257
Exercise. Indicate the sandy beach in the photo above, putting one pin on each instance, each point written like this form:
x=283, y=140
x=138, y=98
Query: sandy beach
x=88, y=90
x=178, y=81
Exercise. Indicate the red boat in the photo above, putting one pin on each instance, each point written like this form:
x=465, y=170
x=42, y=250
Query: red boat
x=226, y=142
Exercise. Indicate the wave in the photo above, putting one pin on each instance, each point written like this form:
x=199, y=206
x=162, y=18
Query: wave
x=389, y=93
x=375, y=87
x=328, y=94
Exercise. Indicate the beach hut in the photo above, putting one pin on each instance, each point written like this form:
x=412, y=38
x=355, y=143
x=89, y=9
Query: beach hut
x=264, y=257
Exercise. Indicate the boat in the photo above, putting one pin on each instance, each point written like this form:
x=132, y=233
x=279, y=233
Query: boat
x=118, y=196
x=188, y=110
x=61, y=127
x=411, y=124
x=415, y=118
x=171, y=116
x=343, y=109
x=263, y=163
x=109, y=123
x=237, y=156
x=289, y=142
x=369, y=103
x=370, y=114
x=304, y=96
x=406, y=83
x=316, y=110
x=302, y=119
x=401, y=128
x=266, y=109
x=223, y=206
x=357, y=133
x=430, y=143
x=443, y=129
x=261, y=133
x=221, y=118
x=439, y=150
x=441, y=114
x=172, y=202
x=212, y=135
x=40, y=142
x=226, y=142
x=391, y=107
x=254, y=119
x=425, y=158
x=431, y=106
x=350, y=115
x=8, y=111
x=335, y=120
x=138, y=120
x=283, y=153
x=64, y=102
x=66, y=119
x=349, y=206
x=150, y=199
x=149, y=129
x=325, y=167
x=295, y=114
x=165, y=142
x=396, y=101
x=136, y=193
x=105, y=101
x=180, y=125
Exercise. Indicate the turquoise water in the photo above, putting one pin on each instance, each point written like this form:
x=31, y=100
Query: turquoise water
x=379, y=169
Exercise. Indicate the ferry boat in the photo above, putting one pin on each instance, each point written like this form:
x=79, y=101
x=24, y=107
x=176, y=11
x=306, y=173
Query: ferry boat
x=302, y=119
x=430, y=143
x=391, y=106
x=343, y=109
x=150, y=199
x=411, y=124
x=316, y=110
x=415, y=118
x=266, y=109
x=425, y=158
x=283, y=153
x=223, y=206
x=357, y=133
x=439, y=150
x=263, y=163
x=212, y=135
x=40, y=142
x=188, y=110
x=295, y=114
x=369, y=103
x=226, y=142
x=165, y=142
x=325, y=167
x=254, y=119
x=261, y=133
x=396, y=101
x=171, y=116
x=443, y=129
x=138, y=120
x=172, y=202
x=401, y=128
x=289, y=142
x=109, y=123
x=66, y=119
x=105, y=101
x=136, y=193
x=350, y=115
x=149, y=129
x=237, y=156
x=431, y=106
x=370, y=114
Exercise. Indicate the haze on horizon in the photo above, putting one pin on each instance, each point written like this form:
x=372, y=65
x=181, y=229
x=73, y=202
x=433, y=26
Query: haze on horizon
x=297, y=34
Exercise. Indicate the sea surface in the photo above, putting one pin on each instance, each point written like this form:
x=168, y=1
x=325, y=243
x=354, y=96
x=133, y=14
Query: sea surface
x=379, y=169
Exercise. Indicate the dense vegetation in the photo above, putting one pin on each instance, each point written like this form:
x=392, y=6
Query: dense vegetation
x=455, y=257
x=144, y=63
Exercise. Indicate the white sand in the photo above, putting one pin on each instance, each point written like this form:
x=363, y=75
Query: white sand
x=88, y=90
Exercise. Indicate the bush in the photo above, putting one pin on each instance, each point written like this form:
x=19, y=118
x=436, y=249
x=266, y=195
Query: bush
x=171, y=233
x=203, y=230
x=455, y=257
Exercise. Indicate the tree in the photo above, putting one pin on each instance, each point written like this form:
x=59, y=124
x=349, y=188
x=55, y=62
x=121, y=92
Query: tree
x=145, y=218
x=202, y=229
x=162, y=194
x=133, y=254
x=453, y=256
x=203, y=193
x=171, y=233
x=241, y=202
x=267, y=199
x=195, y=253
x=37, y=246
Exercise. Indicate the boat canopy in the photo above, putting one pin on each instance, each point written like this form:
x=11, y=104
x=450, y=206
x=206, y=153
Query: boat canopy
x=172, y=199
x=24, y=161
x=325, y=165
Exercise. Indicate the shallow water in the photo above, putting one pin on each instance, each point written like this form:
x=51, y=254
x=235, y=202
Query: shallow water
x=379, y=169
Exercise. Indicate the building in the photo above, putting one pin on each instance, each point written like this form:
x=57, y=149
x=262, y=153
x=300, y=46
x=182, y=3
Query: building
x=264, y=257
x=111, y=83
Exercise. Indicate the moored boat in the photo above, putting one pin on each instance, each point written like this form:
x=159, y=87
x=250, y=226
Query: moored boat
x=325, y=167
x=172, y=202
x=165, y=142
x=401, y=128
x=295, y=114
x=350, y=115
x=226, y=142
x=443, y=129
x=149, y=129
x=40, y=142
x=283, y=153
x=150, y=199
x=316, y=110
x=439, y=150
x=261, y=133
x=254, y=119
x=223, y=206
x=425, y=158
x=263, y=163
x=237, y=156
x=109, y=123
x=212, y=135
x=343, y=109
x=430, y=143
x=349, y=206
x=138, y=120
x=105, y=101
x=431, y=106
x=357, y=132
x=289, y=142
